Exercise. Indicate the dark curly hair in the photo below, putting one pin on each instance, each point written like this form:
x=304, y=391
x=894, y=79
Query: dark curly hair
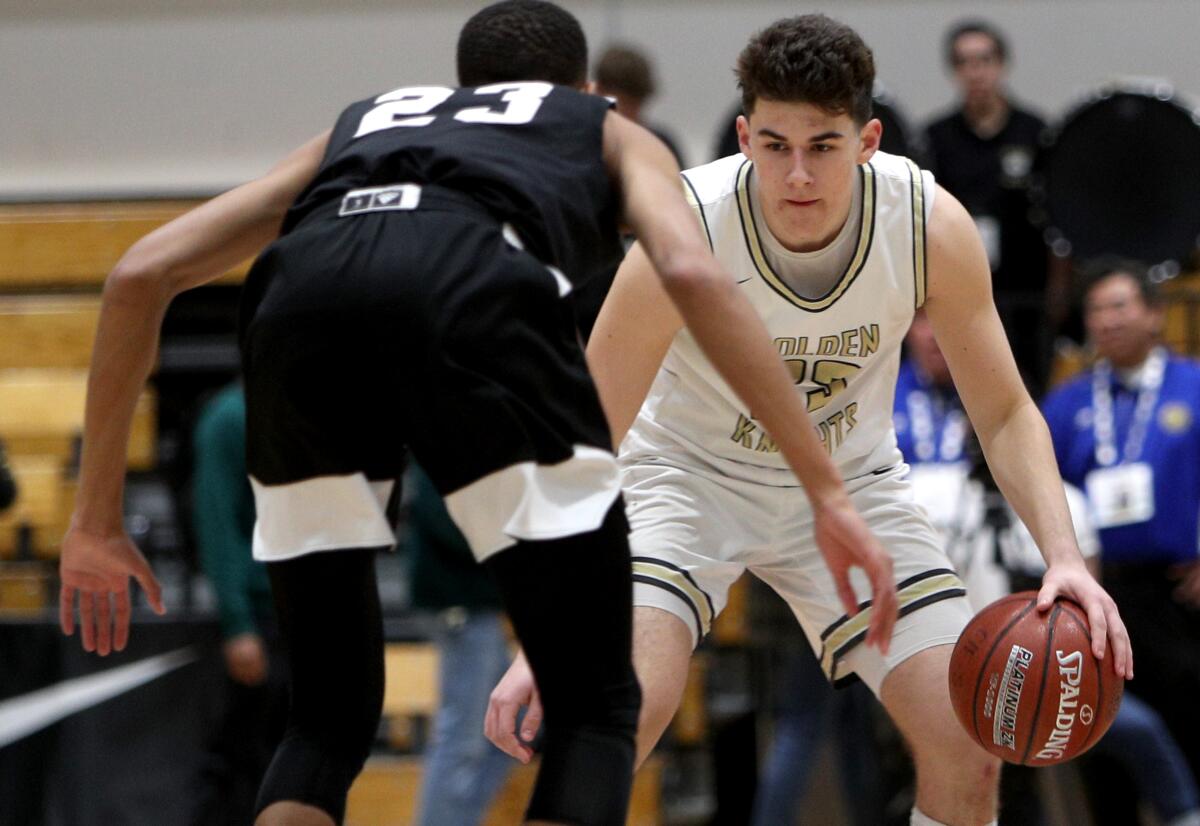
x=965, y=27
x=809, y=59
x=1098, y=269
x=522, y=40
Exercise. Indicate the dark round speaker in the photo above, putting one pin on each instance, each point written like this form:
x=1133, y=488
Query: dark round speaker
x=1120, y=176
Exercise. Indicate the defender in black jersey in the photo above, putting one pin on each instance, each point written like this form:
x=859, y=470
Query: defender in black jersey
x=417, y=297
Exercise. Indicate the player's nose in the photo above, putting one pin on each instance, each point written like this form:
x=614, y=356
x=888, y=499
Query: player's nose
x=798, y=174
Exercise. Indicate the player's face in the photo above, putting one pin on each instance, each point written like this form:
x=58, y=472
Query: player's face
x=1121, y=326
x=805, y=161
x=978, y=67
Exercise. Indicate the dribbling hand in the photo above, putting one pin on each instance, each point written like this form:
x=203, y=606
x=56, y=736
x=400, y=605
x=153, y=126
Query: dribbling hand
x=1073, y=580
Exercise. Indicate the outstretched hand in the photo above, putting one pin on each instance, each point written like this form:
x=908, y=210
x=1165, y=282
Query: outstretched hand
x=515, y=690
x=1072, y=580
x=98, y=568
x=846, y=542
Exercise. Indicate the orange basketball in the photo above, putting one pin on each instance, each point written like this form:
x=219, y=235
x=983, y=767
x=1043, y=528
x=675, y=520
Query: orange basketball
x=1026, y=685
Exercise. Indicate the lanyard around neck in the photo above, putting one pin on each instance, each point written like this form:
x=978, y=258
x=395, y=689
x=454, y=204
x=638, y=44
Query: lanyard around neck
x=1102, y=409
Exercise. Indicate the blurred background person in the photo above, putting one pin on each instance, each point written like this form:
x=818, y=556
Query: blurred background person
x=983, y=151
x=1125, y=431
x=253, y=709
x=624, y=73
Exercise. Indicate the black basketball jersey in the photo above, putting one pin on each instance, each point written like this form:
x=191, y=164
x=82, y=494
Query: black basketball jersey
x=530, y=153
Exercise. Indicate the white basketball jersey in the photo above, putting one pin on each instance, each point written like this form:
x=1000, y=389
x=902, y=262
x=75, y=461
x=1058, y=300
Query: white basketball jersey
x=843, y=348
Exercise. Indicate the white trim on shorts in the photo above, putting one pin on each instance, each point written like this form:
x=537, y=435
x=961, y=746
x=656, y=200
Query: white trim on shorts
x=320, y=514
x=532, y=501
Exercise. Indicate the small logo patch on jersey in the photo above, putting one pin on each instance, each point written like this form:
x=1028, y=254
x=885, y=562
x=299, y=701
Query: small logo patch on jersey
x=380, y=198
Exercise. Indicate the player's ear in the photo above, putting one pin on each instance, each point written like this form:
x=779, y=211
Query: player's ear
x=743, y=133
x=868, y=139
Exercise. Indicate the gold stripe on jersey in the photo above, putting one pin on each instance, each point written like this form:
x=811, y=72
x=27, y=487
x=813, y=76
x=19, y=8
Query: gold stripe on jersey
x=918, y=217
x=915, y=592
x=680, y=583
x=689, y=192
x=866, y=234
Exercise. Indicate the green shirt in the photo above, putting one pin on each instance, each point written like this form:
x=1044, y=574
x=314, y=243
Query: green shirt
x=223, y=513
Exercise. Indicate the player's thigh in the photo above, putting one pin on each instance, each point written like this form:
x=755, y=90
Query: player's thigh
x=691, y=534
x=662, y=649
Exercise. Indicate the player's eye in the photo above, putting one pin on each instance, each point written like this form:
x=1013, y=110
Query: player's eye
x=776, y=146
x=822, y=148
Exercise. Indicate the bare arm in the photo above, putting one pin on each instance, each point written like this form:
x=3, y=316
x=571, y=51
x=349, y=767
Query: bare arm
x=635, y=328
x=197, y=247
x=1011, y=430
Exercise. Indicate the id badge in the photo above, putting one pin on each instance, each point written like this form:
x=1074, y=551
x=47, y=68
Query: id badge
x=1121, y=495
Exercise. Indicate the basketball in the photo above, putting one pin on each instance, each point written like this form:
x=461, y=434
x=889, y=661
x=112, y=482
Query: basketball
x=1026, y=685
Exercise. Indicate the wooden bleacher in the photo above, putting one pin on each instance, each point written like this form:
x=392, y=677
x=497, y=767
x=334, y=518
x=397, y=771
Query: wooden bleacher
x=53, y=261
x=56, y=246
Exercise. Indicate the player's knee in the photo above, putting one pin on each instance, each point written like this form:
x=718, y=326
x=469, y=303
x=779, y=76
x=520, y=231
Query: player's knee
x=606, y=708
x=332, y=726
x=958, y=763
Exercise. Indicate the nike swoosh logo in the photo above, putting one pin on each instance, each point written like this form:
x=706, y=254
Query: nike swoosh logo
x=23, y=715
x=744, y=280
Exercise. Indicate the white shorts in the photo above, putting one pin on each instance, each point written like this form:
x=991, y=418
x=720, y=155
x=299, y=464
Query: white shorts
x=694, y=533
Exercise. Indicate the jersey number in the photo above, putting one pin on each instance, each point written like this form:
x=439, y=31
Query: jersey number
x=831, y=378
x=410, y=106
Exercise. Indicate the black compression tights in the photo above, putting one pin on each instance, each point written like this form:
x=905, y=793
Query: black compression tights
x=329, y=618
x=570, y=601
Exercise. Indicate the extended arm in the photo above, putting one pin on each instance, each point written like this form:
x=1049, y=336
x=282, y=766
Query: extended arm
x=97, y=557
x=1011, y=430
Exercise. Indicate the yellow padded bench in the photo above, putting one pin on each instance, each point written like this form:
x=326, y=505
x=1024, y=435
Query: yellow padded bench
x=42, y=507
x=41, y=411
x=70, y=245
x=47, y=330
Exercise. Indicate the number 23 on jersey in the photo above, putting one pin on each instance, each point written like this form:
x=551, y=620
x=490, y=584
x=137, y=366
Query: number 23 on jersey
x=509, y=103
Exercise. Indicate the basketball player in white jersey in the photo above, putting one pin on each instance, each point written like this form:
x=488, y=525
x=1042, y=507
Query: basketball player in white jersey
x=835, y=245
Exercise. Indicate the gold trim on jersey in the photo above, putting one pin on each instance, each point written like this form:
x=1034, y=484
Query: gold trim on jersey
x=920, y=273
x=866, y=234
x=915, y=592
x=689, y=193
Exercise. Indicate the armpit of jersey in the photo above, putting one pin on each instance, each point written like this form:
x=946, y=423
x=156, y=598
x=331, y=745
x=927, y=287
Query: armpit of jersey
x=531, y=501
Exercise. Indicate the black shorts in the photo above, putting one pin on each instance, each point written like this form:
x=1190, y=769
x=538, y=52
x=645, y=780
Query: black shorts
x=425, y=329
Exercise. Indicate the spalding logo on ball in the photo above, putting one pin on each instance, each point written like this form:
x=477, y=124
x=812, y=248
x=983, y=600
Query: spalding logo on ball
x=1026, y=685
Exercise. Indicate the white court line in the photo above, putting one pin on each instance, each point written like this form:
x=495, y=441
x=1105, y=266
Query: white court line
x=23, y=715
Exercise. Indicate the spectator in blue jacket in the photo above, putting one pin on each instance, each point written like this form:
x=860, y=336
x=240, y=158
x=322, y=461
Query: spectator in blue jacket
x=1126, y=431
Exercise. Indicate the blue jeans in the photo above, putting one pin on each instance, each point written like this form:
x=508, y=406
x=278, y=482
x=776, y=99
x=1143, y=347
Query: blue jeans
x=463, y=771
x=1141, y=743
